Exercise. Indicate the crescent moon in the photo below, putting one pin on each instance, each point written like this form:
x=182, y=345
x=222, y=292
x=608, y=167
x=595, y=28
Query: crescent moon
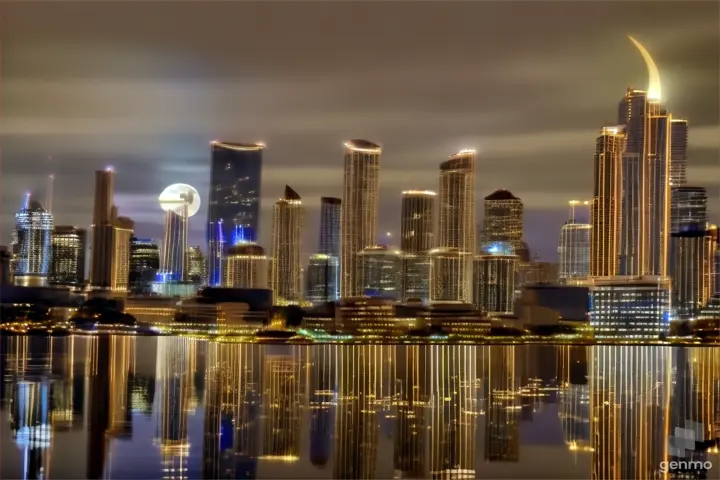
x=654, y=88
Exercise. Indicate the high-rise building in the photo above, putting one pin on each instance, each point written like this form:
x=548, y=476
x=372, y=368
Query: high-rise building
x=645, y=179
x=329, y=242
x=196, y=263
x=68, y=255
x=33, y=227
x=629, y=307
x=689, y=208
x=416, y=241
x=503, y=221
x=144, y=264
x=288, y=221
x=322, y=276
x=678, y=152
x=359, y=210
x=103, y=230
x=574, y=249
x=605, y=209
x=494, y=279
x=180, y=202
x=456, y=231
x=122, y=236
x=379, y=272
x=693, y=258
x=247, y=267
x=234, y=207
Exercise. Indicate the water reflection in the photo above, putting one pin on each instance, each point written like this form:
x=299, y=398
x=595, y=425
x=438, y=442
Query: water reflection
x=126, y=407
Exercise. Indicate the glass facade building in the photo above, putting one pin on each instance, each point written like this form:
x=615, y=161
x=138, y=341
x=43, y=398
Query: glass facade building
x=144, y=263
x=68, y=255
x=322, y=279
x=33, y=227
x=234, y=207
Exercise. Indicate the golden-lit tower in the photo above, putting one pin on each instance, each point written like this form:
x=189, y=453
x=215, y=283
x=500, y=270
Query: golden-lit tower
x=574, y=249
x=359, y=210
x=645, y=178
x=288, y=220
x=456, y=230
x=247, y=267
x=123, y=233
x=503, y=220
x=101, y=266
x=693, y=258
x=605, y=209
x=416, y=232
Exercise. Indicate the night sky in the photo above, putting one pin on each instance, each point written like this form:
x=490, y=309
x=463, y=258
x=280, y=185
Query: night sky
x=145, y=86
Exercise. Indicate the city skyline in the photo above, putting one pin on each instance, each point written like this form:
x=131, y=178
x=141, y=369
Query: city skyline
x=304, y=121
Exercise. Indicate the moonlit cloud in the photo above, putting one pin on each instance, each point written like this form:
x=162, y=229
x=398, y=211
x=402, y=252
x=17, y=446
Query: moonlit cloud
x=91, y=85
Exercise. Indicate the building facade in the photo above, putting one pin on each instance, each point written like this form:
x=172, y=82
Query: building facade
x=103, y=231
x=693, y=258
x=247, y=267
x=322, y=277
x=503, y=220
x=574, y=250
x=69, y=245
x=329, y=241
x=33, y=232
x=379, y=272
x=196, y=263
x=456, y=230
x=288, y=222
x=605, y=207
x=630, y=308
x=416, y=241
x=494, y=279
x=144, y=264
x=122, y=237
x=359, y=210
x=234, y=206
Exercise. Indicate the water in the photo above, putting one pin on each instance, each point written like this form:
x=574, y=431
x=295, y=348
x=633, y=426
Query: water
x=163, y=407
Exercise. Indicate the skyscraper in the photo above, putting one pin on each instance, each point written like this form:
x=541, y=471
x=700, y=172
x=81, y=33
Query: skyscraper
x=144, y=263
x=416, y=232
x=456, y=230
x=102, y=249
x=359, y=210
x=574, y=249
x=379, y=272
x=689, y=210
x=503, y=221
x=180, y=202
x=288, y=221
x=196, y=264
x=234, y=207
x=605, y=209
x=329, y=242
x=122, y=236
x=693, y=257
x=68, y=255
x=494, y=279
x=645, y=198
x=33, y=229
x=678, y=152
x=247, y=267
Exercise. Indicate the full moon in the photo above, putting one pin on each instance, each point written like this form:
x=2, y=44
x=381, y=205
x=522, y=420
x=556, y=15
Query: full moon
x=175, y=195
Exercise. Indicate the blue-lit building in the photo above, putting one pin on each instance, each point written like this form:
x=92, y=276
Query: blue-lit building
x=33, y=229
x=234, y=206
x=630, y=308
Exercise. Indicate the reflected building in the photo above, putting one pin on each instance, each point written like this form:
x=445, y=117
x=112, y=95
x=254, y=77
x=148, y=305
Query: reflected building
x=122, y=362
x=234, y=206
x=232, y=411
x=412, y=401
x=323, y=388
x=356, y=420
x=630, y=389
x=574, y=397
x=282, y=402
x=97, y=366
x=453, y=417
x=30, y=425
x=502, y=424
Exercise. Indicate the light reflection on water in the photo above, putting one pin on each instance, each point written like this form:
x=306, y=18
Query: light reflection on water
x=164, y=407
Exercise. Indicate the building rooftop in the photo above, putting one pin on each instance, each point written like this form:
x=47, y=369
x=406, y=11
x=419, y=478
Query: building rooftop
x=291, y=194
x=359, y=144
x=246, y=249
x=501, y=194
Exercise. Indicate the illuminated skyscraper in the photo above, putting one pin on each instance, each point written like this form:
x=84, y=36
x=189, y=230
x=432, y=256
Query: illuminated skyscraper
x=196, y=263
x=247, y=267
x=234, y=207
x=574, y=249
x=416, y=232
x=33, y=229
x=122, y=236
x=605, y=210
x=456, y=230
x=288, y=221
x=693, y=258
x=103, y=228
x=359, y=210
x=645, y=179
x=503, y=221
x=180, y=202
x=68, y=255
x=494, y=279
x=379, y=271
x=322, y=276
x=329, y=242
x=678, y=152
x=144, y=263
